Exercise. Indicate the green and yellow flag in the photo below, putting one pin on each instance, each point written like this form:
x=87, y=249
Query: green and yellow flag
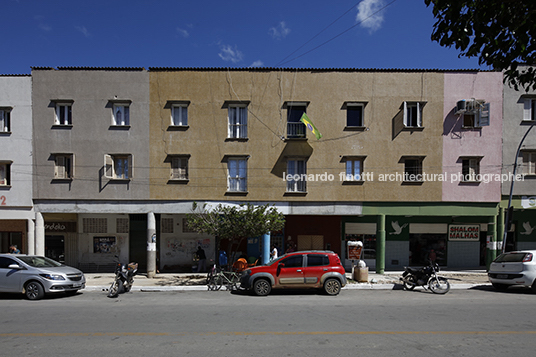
x=309, y=124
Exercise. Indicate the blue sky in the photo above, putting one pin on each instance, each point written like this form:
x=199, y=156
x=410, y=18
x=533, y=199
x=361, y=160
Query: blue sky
x=231, y=33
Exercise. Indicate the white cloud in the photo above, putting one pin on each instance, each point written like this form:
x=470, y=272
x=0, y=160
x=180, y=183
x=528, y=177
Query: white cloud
x=183, y=32
x=84, y=30
x=229, y=54
x=369, y=14
x=257, y=63
x=279, y=32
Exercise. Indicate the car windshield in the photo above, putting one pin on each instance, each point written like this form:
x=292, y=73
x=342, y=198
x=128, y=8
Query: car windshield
x=510, y=257
x=40, y=262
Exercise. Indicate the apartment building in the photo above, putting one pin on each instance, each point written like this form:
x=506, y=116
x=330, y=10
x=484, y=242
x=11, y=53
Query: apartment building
x=519, y=150
x=16, y=166
x=121, y=154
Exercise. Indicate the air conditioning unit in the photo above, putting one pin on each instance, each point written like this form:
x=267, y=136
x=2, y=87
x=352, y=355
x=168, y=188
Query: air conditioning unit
x=461, y=106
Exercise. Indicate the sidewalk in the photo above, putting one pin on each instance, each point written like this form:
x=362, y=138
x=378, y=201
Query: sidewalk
x=459, y=279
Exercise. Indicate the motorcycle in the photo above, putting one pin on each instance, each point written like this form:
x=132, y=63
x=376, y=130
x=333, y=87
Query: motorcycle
x=124, y=278
x=426, y=277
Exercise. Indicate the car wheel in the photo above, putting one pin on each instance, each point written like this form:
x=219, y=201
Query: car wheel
x=262, y=287
x=500, y=287
x=332, y=286
x=34, y=291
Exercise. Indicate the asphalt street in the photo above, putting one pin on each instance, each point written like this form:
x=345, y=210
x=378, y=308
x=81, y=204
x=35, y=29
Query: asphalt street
x=473, y=322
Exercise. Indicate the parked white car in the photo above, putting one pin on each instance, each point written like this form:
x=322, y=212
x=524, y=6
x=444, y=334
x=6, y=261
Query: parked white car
x=35, y=276
x=516, y=268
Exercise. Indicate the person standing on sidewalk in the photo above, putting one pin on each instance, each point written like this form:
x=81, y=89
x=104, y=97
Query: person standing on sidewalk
x=202, y=263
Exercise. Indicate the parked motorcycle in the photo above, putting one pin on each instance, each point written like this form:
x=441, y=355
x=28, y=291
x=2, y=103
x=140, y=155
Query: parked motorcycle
x=426, y=277
x=124, y=278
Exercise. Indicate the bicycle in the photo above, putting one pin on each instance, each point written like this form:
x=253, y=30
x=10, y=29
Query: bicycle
x=216, y=278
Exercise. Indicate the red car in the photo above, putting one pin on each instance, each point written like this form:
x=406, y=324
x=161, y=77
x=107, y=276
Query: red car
x=319, y=269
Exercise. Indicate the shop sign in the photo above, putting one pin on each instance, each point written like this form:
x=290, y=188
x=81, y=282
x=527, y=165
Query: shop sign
x=354, y=250
x=464, y=232
x=528, y=201
x=60, y=226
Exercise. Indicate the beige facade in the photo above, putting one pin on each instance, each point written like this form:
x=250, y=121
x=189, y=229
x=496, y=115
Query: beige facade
x=382, y=140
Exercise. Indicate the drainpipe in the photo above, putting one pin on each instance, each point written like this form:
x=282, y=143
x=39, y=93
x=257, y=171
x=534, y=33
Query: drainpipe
x=380, y=244
x=151, y=245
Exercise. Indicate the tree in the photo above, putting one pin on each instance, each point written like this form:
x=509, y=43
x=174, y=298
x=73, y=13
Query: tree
x=235, y=222
x=501, y=33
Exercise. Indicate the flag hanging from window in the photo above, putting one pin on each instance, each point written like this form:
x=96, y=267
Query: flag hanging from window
x=309, y=124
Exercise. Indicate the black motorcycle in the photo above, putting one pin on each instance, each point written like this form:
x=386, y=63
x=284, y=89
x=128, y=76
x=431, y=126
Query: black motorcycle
x=124, y=278
x=426, y=277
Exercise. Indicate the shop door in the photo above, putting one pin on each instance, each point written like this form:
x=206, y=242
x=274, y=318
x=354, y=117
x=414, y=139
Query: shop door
x=138, y=241
x=310, y=242
x=55, y=248
x=423, y=246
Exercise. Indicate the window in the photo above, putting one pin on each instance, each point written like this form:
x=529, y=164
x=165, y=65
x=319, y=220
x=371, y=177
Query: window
x=477, y=115
x=237, y=174
x=529, y=162
x=294, y=261
x=314, y=260
x=118, y=167
x=354, y=168
x=63, y=166
x=166, y=225
x=179, y=168
x=121, y=114
x=413, y=114
x=413, y=169
x=470, y=169
x=296, y=175
x=475, y=112
x=5, y=120
x=5, y=173
x=64, y=114
x=295, y=128
x=238, y=122
x=179, y=115
x=354, y=115
x=122, y=225
x=529, y=109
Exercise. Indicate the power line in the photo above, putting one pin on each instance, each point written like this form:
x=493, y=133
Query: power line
x=334, y=37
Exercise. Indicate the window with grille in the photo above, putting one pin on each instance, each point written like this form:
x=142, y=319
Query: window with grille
x=166, y=225
x=95, y=225
x=122, y=225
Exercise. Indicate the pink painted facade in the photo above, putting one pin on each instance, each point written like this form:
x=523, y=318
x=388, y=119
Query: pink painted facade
x=483, y=144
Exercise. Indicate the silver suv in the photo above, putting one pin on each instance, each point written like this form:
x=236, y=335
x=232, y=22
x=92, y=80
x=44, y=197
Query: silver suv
x=36, y=276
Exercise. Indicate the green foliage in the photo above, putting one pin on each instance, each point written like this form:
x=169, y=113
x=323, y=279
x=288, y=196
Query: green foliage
x=235, y=222
x=499, y=32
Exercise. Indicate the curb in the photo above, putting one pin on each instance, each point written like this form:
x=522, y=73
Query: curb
x=362, y=286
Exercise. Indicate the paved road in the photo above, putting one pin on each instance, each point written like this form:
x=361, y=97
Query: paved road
x=475, y=322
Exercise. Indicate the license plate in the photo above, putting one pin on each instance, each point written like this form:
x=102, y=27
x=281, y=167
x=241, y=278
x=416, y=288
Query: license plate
x=77, y=285
x=502, y=276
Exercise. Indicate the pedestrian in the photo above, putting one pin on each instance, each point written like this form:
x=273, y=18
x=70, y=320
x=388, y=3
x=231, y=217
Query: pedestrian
x=273, y=254
x=432, y=256
x=290, y=248
x=13, y=249
x=202, y=263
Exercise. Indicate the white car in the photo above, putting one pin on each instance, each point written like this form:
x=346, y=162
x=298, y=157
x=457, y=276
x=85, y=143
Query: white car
x=514, y=268
x=36, y=276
